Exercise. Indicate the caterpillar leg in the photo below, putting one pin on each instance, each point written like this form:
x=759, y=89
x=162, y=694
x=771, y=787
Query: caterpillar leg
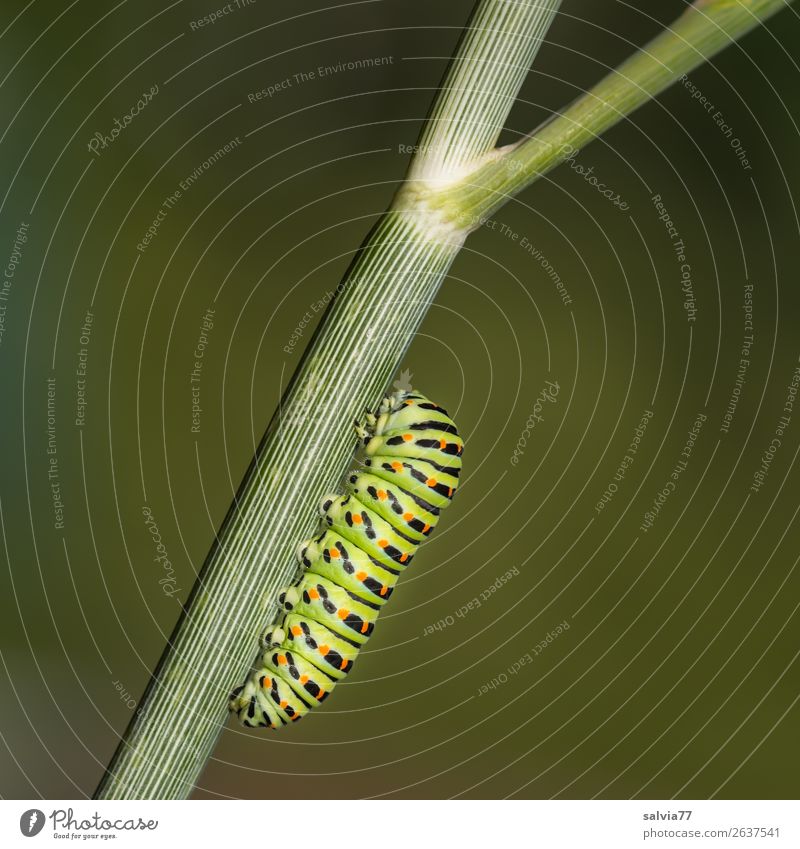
x=326, y=502
x=245, y=702
x=273, y=636
x=288, y=598
x=233, y=699
x=374, y=424
x=267, y=701
x=389, y=406
x=308, y=550
x=365, y=426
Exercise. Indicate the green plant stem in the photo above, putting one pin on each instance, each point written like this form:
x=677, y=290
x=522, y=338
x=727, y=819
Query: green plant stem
x=481, y=83
x=307, y=448
x=702, y=30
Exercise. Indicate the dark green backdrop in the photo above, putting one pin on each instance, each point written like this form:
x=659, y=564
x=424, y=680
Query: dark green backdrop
x=677, y=673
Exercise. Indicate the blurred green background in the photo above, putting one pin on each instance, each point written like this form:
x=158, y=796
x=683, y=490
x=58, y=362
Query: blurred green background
x=678, y=673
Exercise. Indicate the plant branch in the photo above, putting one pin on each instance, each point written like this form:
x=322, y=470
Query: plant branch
x=702, y=30
x=309, y=443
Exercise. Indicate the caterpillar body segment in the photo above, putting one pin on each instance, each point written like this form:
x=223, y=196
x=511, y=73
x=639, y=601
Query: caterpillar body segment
x=333, y=606
x=439, y=447
x=412, y=514
x=370, y=532
x=434, y=484
x=408, y=473
x=340, y=561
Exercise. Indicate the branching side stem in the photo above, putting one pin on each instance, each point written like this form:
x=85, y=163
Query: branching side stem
x=704, y=29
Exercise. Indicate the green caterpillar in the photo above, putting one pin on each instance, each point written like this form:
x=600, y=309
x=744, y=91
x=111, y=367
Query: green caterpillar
x=408, y=474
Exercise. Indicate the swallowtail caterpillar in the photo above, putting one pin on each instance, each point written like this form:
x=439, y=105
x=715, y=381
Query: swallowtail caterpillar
x=407, y=475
